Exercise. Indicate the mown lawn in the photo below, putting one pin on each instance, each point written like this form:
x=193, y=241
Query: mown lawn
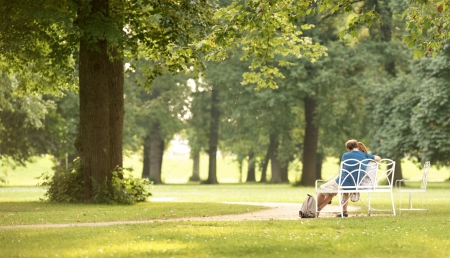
x=413, y=234
x=368, y=237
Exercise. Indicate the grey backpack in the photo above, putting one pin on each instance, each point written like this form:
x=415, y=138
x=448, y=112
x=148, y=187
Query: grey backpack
x=308, y=209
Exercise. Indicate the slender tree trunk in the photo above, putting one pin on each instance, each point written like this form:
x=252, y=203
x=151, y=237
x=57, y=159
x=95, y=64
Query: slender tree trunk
x=213, y=137
x=285, y=160
x=274, y=162
x=386, y=36
x=386, y=32
x=196, y=167
x=284, y=169
x=101, y=113
x=398, y=172
x=310, y=143
x=156, y=153
x=319, y=162
x=251, y=167
x=162, y=144
x=265, y=165
x=146, y=158
x=240, y=163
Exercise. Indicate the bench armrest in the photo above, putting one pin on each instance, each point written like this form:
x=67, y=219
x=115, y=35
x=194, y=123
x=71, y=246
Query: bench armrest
x=321, y=180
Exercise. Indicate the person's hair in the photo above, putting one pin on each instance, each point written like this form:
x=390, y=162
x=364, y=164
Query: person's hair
x=362, y=147
x=351, y=144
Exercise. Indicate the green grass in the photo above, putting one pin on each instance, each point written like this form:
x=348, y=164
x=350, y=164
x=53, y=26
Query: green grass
x=26, y=176
x=30, y=213
x=414, y=234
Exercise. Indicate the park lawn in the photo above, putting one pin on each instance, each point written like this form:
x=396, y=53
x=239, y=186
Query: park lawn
x=411, y=235
x=184, y=201
x=177, y=169
x=30, y=213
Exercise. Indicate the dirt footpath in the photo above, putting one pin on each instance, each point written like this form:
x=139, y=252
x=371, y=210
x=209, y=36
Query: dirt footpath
x=275, y=211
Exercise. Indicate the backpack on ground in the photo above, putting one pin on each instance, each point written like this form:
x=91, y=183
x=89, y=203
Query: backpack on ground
x=308, y=209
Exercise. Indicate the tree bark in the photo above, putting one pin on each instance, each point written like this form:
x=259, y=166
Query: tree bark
x=274, y=162
x=386, y=32
x=116, y=110
x=265, y=165
x=386, y=36
x=398, y=172
x=240, y=165
x=285, y=160
x=251, y=167
x=99, y=141
x=156, y=153
x=196, y=167
x=310, y=143
x=319, y=162
x=213, y=137
x=146, y=158
x=284, y=169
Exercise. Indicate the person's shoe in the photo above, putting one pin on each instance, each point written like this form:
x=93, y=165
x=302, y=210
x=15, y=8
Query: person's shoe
x=344, y=213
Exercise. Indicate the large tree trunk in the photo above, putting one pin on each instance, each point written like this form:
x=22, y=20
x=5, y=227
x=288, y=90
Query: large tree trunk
x=274, y=162
x=251, y=167
x=213, y=137
x=99, y=142
x=310, y=143
x=156, y=153
x=116, y=110
x=196, y=166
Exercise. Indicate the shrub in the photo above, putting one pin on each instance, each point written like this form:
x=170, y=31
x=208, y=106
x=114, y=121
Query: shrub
x=125, y=190
x=66, y=186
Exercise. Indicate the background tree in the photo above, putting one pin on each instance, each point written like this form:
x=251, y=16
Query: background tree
x=198, y=126
x=152, y=118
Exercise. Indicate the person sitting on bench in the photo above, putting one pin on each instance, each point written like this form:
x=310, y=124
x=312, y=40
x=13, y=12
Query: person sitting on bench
x=353, y=153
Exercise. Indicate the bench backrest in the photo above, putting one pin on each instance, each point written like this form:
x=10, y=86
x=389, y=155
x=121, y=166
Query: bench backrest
x=366, y=174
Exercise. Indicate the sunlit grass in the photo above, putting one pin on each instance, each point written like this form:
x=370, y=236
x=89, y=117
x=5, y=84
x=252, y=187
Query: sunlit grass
x=413, y=234
x=27, y=176
x=21, y=193
x=355, y=237
x=177, y=169
x=186, y=200
x=28, y=213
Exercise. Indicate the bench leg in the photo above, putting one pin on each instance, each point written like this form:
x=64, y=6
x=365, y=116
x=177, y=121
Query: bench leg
x=410, y=201
x=392, y=201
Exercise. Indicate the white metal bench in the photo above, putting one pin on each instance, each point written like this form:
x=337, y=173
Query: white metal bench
x=368, y=177
x=421, y=191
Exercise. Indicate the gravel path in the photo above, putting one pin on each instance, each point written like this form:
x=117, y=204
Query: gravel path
x=275, y=211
